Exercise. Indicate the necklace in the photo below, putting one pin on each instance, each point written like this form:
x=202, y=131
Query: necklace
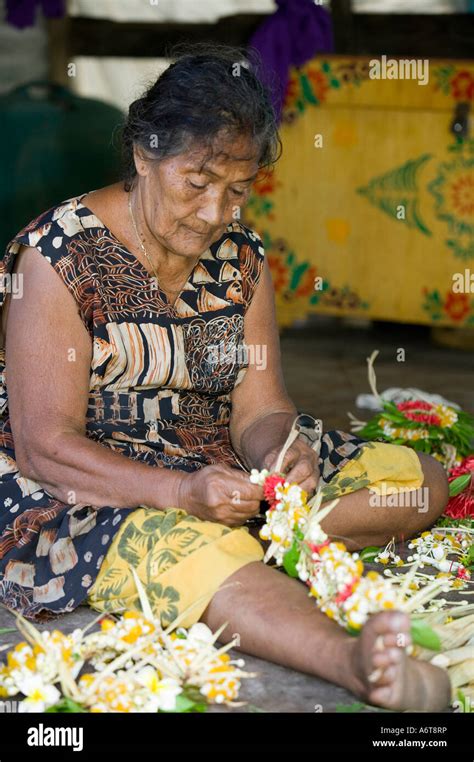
x=142, y=246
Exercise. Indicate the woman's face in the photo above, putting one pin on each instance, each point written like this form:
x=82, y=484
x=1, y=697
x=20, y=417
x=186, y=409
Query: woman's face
x=187, y=208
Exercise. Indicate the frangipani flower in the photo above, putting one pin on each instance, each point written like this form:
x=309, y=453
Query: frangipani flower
x=162, y=690
x=39, y=695
x=139, y=666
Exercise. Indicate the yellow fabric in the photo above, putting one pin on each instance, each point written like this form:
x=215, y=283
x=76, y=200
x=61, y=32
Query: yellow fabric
x=181, y=559
x=178, y=558
x=385, y=467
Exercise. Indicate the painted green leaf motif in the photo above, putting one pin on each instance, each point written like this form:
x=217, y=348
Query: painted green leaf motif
x=134, y=544
x=298, y=273
x=398, y=188
x=307, y=90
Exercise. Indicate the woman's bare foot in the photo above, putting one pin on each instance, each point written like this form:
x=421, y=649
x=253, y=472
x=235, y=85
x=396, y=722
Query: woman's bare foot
x=388, y=677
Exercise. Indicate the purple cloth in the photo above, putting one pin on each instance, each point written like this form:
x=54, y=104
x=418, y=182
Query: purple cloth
x=290, y=37
x=22, y=13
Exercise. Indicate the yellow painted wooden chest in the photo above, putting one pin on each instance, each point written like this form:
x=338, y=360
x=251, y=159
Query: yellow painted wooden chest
x=370, y=210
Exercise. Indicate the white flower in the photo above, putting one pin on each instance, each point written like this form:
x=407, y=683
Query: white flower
x=200, y=633
x=258, y=477
x=164, y=692
x=39, y=696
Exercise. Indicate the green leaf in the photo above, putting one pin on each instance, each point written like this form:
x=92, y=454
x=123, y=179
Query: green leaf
x=291, y=558
x=352, y=631
x=66, y=705
x=357, y=706
x=464, y=701
x=424, y=636
x=185, y=704
x=458, y=485
x=369, y=553
x=7, y=629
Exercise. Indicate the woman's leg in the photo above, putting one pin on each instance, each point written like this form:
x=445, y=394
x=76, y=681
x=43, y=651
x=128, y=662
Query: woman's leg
x=358, y=523
x=278, y=621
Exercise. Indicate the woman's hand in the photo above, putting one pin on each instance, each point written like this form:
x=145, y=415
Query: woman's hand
x=220, y=493
x=300, y=464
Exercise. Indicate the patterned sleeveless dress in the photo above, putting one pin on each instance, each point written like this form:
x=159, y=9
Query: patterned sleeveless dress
x=161, y=377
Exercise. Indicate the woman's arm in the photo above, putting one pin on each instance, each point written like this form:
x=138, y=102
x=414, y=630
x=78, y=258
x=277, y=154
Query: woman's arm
x=48, y=357
x=262, y=412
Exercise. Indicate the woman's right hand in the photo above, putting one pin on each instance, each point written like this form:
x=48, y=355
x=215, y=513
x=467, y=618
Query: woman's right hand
x=221, y=494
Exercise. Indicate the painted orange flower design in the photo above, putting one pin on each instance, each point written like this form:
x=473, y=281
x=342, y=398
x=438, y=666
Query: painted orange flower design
x=265, y=183
x=457, y=306
x=462, y=86
x=291, y=90
x=462, y=190
x=279, y=272
x=319, y=83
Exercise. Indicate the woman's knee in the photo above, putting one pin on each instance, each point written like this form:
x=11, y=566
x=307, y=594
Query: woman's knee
x=435, y=484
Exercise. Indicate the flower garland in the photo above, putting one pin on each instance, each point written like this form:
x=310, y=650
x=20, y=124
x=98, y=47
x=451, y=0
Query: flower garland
x=439, y=430
x=335, y=576
x=137, y=667
x=426, y=427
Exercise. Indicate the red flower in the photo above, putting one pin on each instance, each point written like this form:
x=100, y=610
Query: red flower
x=346, y=591
x=316, y=548
x=457, y=306
x=271, y=482
x=432, y=419
x=463, y=573
x=414, y=405
x=462, y=506
x=462, y=85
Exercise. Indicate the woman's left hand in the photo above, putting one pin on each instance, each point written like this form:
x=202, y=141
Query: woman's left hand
x=300, y=464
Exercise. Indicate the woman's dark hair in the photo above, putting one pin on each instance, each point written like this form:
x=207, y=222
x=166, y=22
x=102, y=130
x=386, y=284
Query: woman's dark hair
x=209, y=88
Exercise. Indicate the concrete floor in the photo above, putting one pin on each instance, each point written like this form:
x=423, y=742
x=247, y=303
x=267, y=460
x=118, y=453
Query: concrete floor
x=325, y=369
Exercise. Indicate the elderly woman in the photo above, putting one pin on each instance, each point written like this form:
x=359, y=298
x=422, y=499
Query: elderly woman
x=132, y=418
